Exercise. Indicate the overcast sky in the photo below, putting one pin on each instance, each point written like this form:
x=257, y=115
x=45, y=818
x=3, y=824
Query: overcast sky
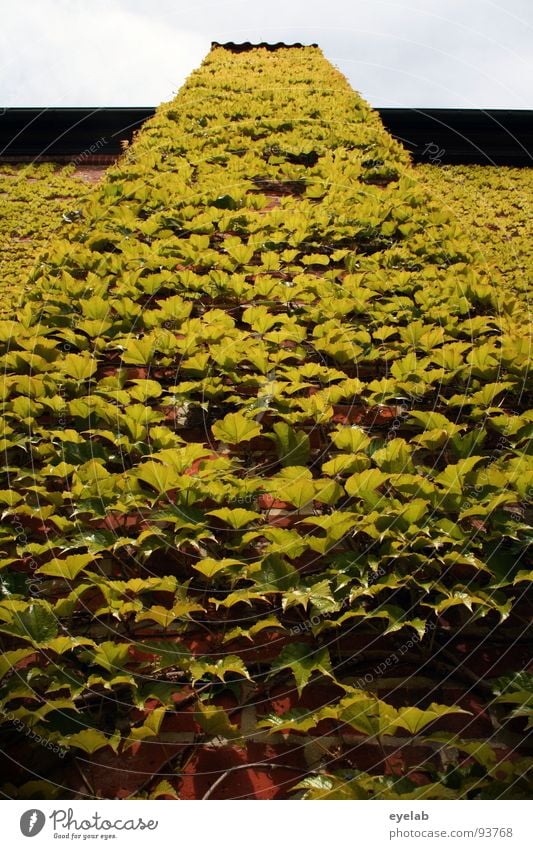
x=463, y=53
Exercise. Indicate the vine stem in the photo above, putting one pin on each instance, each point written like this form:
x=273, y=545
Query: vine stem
x=85, y=780
x=228, y=772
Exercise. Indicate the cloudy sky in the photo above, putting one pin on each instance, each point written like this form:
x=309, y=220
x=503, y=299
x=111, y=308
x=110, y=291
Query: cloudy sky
x=462, y=53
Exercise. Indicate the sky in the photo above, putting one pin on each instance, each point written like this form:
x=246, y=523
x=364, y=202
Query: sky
x=405, y=53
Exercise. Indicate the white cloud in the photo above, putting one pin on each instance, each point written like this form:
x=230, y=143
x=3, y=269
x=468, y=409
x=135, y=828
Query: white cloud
x=396, y=52
x=65, y=53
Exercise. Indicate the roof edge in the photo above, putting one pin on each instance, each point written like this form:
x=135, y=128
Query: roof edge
x=243, y=47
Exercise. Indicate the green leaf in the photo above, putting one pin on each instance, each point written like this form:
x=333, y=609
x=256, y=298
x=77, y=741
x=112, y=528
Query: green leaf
x=319, y=787
x=139, y=352
x=280, y=540
x=215, y=722
x=275, y=574
x=226, y=202
x=158, y=476
x=165, y=616
x=315, y=259
x=293, y=446
x=335, y=526
x=414, y=719
x=150, y=728
x=482, y=752
x=164, y=788
x=343, y=464
x=327, y=491
x=524, y=575
x=109, y=655
x=299, y=719
x=434, y=421
x=235, y=428
x=295, y=485
x=484, y=360
x=256, y=628
x=219, y=668
x=351, y=439
x=242, y=254
x=142, y=390
x=302, y=660
x=69, y=567
x=453, y=476
x=9, y=659
x=319, y=595
x=366, y=713
x=168, y=653
x=60, y=645
x=79, y=366
x=236, y=517
x=36, y=623
x=395, y=457
x=90, y=740
x=365, y=485
x=209, y=567
x=9, y=497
